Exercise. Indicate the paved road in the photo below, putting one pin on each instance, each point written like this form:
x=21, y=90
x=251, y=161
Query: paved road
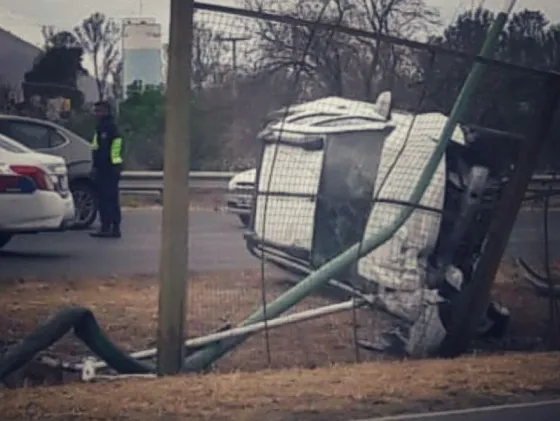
x=215, y=243
x=538, y=411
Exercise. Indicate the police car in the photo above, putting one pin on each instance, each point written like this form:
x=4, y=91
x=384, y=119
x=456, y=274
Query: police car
x=50, y=138
x=34, y=192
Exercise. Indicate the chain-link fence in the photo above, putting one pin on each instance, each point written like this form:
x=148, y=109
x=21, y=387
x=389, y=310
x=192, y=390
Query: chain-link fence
x=364, y=216
x=342, y=124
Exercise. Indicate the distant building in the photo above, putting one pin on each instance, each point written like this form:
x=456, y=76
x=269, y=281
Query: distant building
x=141, y=49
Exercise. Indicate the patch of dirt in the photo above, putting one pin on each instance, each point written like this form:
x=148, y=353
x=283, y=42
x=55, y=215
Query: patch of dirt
x=126, y=308
x=311, y=381
x=338, y=392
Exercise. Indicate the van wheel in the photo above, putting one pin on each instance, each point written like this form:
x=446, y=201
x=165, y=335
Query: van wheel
x=85, y=202
x=245, y=220
x=5, y=239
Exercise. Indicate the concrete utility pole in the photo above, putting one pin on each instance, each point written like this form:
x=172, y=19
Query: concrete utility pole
x=174, y=241
x=234, y=41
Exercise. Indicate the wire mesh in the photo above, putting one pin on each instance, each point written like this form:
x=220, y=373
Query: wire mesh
x=305, y=104
x=336, y=162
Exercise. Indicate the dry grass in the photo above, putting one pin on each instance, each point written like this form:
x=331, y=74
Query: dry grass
x=315, y=390
x=126, y=308
x=334, y=393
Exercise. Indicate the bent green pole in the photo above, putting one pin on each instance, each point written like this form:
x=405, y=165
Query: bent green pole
x=204, y=358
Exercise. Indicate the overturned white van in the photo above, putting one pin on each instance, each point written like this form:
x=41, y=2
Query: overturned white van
x=334, y=170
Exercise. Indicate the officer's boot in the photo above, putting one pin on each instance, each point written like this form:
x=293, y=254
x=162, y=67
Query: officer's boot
x=102, y=232
x=116, y=231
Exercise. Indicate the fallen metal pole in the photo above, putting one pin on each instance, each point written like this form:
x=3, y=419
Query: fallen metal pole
x=243, y=330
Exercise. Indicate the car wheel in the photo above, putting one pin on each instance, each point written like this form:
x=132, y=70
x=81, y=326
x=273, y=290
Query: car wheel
x=85, y=202
x=245, y=220
x=4, y=239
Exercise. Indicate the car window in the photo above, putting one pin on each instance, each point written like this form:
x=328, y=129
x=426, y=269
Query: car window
x=11, y=147
x=34, y=136
x=55, y=139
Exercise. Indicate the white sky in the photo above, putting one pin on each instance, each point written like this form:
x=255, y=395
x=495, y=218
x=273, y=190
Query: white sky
x=24, y=18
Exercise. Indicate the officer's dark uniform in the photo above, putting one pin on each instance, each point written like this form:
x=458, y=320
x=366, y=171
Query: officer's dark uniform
x=107, y=146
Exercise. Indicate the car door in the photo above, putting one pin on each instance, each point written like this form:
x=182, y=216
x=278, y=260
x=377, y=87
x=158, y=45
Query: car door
x=51, y=139
x=36, y=136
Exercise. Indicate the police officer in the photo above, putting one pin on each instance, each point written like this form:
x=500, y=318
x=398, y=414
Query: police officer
x=107, y=148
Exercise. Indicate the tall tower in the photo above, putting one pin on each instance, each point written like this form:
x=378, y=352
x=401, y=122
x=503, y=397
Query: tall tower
x=141, y=51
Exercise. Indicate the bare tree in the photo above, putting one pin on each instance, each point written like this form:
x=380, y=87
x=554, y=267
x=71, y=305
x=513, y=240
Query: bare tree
x=378, y=62
x=117, y=79
x=319, y=57
x=58, y=39
x=164, y=60
x=345, y=65
x=208, y=56
x=99, y=37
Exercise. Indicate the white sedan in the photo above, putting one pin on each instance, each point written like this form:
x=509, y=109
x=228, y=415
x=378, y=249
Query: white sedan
x=240, y=195
x=34, y=193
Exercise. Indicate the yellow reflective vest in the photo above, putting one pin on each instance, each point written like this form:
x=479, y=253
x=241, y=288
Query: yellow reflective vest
x=116, y=147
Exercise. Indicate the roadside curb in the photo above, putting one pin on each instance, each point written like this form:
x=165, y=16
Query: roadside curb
x=485, y=410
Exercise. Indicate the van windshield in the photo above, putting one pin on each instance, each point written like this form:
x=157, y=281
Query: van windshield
x=344, y=200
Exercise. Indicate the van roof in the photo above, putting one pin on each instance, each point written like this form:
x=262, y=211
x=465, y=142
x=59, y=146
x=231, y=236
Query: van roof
x=338, y=115
x=334, y=114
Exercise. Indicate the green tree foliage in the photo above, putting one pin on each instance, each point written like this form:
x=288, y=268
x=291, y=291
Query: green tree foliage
x=6, y=98
x=55, y=74
x=82, y=122
x=142, y=122
x=528, y=40
x=507, y=99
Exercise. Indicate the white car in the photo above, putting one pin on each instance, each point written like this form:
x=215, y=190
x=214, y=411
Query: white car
x=34, y=192
x=240, y=195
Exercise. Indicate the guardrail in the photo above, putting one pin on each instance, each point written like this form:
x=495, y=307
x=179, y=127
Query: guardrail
x=541, y=183
x=545, y=178
x=151, y=182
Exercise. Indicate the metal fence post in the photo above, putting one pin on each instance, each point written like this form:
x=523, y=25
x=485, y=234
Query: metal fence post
x=174, y=245
x=473, y=301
